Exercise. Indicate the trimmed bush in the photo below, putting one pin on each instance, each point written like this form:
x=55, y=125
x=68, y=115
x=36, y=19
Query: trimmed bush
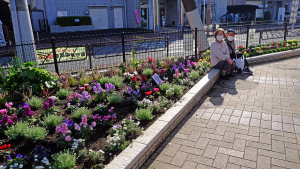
x=144, y=114
x=51, y=121
x=81, y=111
x=35, y=102
x=70, y=21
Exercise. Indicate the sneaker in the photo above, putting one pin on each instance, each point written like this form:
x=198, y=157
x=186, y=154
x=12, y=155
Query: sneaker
x=240, y=71
x=224, y=77
x=231, y=75
x=247, y=71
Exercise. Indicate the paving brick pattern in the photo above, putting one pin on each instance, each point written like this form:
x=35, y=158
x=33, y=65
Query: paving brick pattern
x=249, y=128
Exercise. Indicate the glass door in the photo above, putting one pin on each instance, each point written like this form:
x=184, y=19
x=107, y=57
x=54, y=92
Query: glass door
x=144, y=17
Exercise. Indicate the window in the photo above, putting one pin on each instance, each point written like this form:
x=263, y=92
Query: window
x=269, y=2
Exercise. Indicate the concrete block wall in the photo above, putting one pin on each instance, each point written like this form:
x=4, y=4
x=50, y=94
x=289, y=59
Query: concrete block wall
x=131, y=6
x=172, y=13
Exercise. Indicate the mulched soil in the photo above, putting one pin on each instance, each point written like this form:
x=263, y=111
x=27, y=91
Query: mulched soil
x=97, y=140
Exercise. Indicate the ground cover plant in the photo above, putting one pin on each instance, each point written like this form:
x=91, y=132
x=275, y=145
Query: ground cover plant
x=85, y=121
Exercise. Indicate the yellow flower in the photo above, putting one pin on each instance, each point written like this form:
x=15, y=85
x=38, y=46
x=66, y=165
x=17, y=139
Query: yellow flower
x=200, y=60
x=166, y=69
x=244, y=52
x=256, y=50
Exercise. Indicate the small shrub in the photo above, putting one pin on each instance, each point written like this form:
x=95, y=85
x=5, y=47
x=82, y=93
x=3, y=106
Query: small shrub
x=178, y=90
x=193, y=75
x=35, y=102
x=85, y=80
x=144, y=104
x=96, y=156
x=63, y=93
x=72, y=81
x=115, y=98
x=117, y=81
x=155, y=107
x=64, y=160
x=165, y=86
x=144, y=114
x=21, y=129
x=81, y=111
x=104, y=80
x=147, y=72
x=51, y=121
x=170, y=92
x=70, y=21
x=164, y=103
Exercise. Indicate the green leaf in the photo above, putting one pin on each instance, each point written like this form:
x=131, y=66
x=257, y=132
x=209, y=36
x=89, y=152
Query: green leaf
x=18, y=61
x=28, y=64
x=24, y=74
x=31, y=75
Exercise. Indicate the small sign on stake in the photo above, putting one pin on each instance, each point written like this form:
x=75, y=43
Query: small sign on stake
x=157, y=79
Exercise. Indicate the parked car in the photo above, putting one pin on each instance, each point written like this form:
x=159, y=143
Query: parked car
x=287, y=15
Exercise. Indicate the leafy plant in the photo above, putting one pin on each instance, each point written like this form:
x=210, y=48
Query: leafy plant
x=64, y=160
x=96, y=156
x=35, y=102
x=63, y=93
x=115, y=98
x=27, y=74
x=165, y=86
x=51, y=121
x=170, y=93
x=164, y=103
x=156, y=107
x=104, y=80
x=144, y=114
x=193, y=75
x=178, y=90
x=117, y=81
x=147, y=72
x=81, y=111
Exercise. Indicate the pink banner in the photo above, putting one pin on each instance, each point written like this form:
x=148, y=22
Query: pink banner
x=136, y=12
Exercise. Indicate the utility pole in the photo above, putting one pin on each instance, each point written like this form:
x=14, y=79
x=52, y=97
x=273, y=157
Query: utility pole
x=273, y=10
x=204, y=12
x=26, y=50
x=208, y=13
x=264, y=9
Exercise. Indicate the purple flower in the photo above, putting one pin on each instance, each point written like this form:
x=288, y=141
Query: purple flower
x=26, y=109
x=188, y=63
x=51, y=102
x=130, y=117
x=94, y=124
x=46, y=105
x=111, y=109
x=68, y=104
x=115, y=127
x=174, y=67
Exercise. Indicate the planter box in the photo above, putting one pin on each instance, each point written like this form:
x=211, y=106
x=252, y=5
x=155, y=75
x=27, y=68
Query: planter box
x=59, y=29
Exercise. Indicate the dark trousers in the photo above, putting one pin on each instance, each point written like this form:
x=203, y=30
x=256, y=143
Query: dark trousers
x=224, y=65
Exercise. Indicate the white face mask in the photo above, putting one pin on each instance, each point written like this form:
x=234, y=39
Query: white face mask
x=220, y=37
x=230, y=38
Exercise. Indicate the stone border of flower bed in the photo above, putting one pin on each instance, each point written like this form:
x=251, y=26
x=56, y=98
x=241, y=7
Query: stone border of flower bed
x=139, y=151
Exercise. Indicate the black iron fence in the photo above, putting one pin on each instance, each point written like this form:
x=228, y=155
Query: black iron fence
x=61, y=54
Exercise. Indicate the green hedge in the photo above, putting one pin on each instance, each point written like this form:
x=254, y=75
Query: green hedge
x=70, y=21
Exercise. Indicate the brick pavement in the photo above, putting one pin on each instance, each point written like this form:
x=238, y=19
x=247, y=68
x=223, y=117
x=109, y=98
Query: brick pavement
x=242, y=128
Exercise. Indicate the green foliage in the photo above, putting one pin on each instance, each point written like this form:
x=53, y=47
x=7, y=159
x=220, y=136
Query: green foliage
x=104, y=80
x=164, y=103
x=85, y=80
x=72, y=81
x=193, y=75
x=81, y=111
x=115, y=99
x=147, y=72
x=51, y=121
x=117, y=81
x=64, y=93
x=35, y=102
x=178, y=90
x=22, y=129
x=64, y=160
x=96, y=156
x=70, y=21
x=156, y=107
x=170, y=93
x=165, y=86
x=28, y=75
x=144, y=114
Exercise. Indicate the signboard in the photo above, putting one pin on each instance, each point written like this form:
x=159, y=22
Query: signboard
x=281, y=15
x=259, y=13
x=294, y=11
x=63, y=54
x=156, y=78
x=62, y=13
x=251, y=36
x=188, y=42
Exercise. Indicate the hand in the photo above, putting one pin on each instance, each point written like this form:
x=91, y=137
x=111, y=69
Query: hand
x=230, y=61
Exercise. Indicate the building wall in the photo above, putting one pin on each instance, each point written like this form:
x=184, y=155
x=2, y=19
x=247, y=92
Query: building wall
x=221, y=9
x=131, y=19
x=172, y=14
x=236, y=2
x=255, y=2
x=51, y=12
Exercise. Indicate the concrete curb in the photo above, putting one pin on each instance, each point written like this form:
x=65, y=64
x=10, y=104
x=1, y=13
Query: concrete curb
x=139, y=151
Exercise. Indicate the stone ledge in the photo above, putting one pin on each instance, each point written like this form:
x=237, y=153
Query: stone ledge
x=139, y=151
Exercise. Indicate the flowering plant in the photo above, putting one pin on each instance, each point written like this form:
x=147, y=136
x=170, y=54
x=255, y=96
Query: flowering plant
x=74, y=98
x=150, y=60
x=132, y=96
x=144, y=78
x=71, y=108
x=85, y=98
x=8, y=120
x=64, y=139
x=15, y=163
x=84, y=131
x=4, y=150
x=40, y=157
x=78, y=144
x=101, y=93
x=145, y=103
x=50, y=108
x=9, y=108
x=105, y=120
x=100, y=109
x=146, y=87
x=133, y=83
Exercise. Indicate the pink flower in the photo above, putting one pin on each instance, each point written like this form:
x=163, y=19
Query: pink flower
x=68, y=138
x=111, y=109
x=82, y=88
x=58, y=129
x=83, y=120
x=8, y=105
x=51, y=102
x=160, y=82
x=156, y=89
x=94, y=124
x=186, y=70
x=46, y=105
x=64, y=126
x=86, y=85
x=77, y=127
x=3, y=111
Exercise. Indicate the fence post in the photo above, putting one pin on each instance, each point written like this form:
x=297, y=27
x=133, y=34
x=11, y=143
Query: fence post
x=123, y=46
x=260, y=35
x=54, y=55
x=167, y=44
x=90, y=57
x=285, y=30
x=196, y=40
x=248, y=27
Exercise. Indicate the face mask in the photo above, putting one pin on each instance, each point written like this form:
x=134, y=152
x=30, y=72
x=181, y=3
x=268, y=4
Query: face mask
x=230, y=38
x=219, y=38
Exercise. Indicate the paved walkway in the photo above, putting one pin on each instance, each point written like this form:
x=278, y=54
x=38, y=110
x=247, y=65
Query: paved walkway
x=241, y=128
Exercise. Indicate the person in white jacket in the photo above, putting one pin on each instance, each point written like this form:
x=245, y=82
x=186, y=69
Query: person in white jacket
x=219, y=55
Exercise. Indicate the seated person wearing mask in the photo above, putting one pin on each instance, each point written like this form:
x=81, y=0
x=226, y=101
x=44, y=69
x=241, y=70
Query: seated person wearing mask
x=219, y=55
x=231, y=48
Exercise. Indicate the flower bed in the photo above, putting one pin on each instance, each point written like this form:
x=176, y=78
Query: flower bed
x=87, y=120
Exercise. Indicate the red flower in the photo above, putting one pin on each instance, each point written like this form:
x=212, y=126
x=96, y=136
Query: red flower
x=153, y=73
x=4, y=146
x=1, y=148
x=9, y=145
x=144, y=78
x=148, y=93
x=156, y=89
x=134, y=79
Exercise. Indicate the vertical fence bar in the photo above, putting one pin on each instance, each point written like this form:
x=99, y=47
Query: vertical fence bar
x=90, y=56
x=247, y=38
x=167, y=44
x=196, y=40
x=123, y=46
x=285, y=30
x=54, y=55
x=260, y=35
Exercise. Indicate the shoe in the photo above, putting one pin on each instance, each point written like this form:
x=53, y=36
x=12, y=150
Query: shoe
x=224, y=77
x=231, y=75
x=247, y=71
x=240, y=71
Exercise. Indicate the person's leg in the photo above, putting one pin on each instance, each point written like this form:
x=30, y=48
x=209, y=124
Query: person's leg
x=223, y=66
x=246, y=67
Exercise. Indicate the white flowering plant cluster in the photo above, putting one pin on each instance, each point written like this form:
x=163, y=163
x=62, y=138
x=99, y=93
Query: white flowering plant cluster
x=117, y=137
x=16, y=163
x=164, y=103
x=96, y=156
x=145, y=104
x=187, y=82
x=203, y=67
x=40, y=156
x=78, y=144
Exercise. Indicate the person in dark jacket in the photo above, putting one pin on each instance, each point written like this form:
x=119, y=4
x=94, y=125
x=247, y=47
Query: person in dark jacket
x=231, y=48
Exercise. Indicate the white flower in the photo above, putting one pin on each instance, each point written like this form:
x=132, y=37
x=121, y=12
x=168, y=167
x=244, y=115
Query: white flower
x=102, y=151
x=16, y=164
x=35, y=159
x=35, y=156
x=53, y=97
x=109, y=154
x=21, y=166
x=125, y=74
